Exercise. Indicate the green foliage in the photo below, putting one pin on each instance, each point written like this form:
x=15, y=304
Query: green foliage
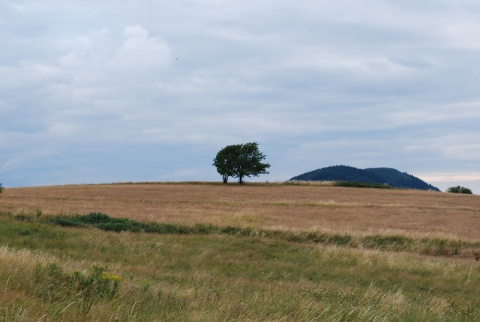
x=85, y=289
x=239, y=161
x=107, y=223
x=98, y=220
x=1, y=188
x=225, y=160
x=354, y=184
x=459, y=189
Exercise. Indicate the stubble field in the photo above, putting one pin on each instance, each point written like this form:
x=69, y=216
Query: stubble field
x=272, y=206
x=409, y=255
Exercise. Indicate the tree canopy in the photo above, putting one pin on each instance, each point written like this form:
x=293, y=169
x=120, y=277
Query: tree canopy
x=239, y=161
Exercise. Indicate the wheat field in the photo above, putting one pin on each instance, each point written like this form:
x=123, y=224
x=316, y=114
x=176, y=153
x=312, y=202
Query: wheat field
x=270, y=206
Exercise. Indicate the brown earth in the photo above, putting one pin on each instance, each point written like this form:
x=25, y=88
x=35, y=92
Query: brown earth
x=270, y=206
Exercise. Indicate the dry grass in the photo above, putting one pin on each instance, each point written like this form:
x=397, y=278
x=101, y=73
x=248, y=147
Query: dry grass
x=267, y=206
x=224, y=278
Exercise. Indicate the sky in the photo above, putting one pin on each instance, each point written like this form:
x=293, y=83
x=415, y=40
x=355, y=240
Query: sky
x=143, y=90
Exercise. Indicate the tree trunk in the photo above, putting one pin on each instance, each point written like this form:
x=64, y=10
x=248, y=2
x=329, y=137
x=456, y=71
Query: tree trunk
x=225, y=178
x=240, y=179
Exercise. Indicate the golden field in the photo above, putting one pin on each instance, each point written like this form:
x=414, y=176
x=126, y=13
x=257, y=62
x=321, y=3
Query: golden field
x=267, y=206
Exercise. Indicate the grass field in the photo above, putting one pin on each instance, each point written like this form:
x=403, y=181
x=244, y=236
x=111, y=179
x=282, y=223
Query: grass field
x=290, y=253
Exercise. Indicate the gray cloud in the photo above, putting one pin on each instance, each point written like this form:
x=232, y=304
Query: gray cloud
x=140, y=90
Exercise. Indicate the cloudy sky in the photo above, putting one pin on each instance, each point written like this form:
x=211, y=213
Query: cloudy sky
x=142, y=90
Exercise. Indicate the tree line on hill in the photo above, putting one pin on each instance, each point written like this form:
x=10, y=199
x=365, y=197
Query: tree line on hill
x=381, y=176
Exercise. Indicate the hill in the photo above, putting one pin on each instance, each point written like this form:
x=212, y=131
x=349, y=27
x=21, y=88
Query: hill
x=392, y=177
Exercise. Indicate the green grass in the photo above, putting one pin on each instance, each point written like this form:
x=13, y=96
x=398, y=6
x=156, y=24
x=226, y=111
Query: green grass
x=220, y=276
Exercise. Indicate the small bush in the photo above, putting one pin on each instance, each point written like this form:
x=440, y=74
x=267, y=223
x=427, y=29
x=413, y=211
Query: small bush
x=459, y=189
x=1, y=188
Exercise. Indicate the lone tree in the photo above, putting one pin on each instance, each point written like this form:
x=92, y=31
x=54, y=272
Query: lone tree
x=239, y=161
x=1, y=187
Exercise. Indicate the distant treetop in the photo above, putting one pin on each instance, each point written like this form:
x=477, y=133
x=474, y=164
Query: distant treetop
x=459, y=189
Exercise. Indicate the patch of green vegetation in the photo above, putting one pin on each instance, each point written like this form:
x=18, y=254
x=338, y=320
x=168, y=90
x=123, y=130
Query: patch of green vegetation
x=390, y=243
x=353, y=184
x=14, y=232
x=444, y=247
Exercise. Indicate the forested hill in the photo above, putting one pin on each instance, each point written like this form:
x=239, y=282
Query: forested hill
x=392, y=177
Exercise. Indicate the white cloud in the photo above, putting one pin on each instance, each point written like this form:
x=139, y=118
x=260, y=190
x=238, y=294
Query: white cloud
x=451, y=177
x=140, y=52
x=445, y=180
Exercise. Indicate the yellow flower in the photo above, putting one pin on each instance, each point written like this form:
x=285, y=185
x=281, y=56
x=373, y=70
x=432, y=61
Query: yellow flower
x=109, y=276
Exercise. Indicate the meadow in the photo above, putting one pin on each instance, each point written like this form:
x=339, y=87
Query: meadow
x=256, y=252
